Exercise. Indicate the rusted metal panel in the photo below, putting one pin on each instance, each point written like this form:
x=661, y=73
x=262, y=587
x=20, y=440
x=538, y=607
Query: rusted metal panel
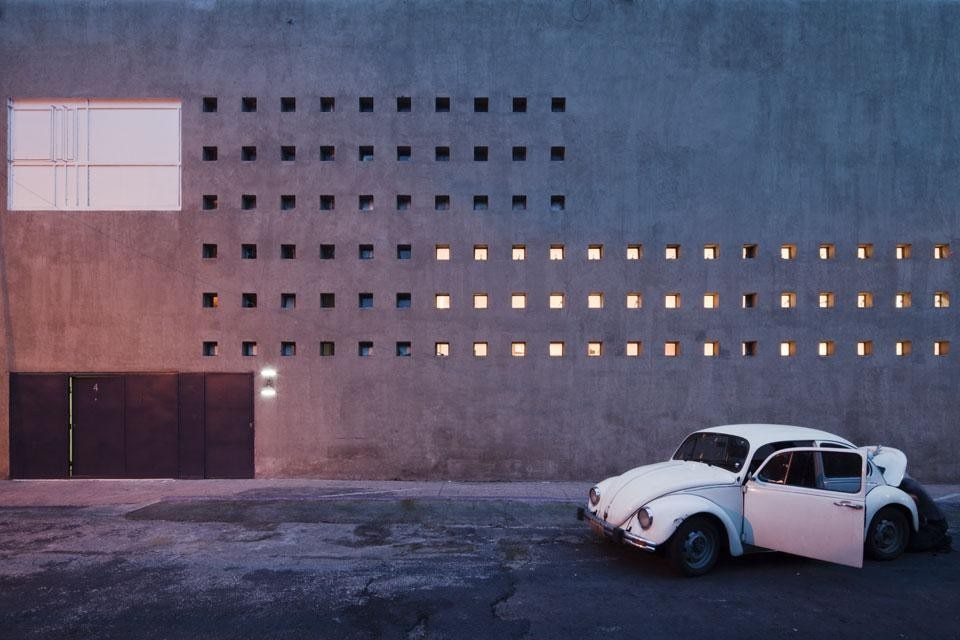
x=98, y=433
x=150, y=425
x=228, y=425
x=39, y=425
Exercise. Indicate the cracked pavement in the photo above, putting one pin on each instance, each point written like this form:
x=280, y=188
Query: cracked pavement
x=300, y=562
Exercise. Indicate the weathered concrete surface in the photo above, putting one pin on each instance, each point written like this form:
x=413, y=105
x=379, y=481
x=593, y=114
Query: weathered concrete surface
x=294, y=561
x=694, y=122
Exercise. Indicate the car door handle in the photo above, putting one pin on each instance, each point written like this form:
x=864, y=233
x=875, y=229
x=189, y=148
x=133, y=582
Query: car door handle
x=851, y=505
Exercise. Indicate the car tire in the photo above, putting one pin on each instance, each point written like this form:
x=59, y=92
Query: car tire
x=695, y=546
x=888, y=535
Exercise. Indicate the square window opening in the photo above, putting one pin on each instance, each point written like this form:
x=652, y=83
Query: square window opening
x=328, y=251
x=711, y=300
x=748, y=348
x=481, y=105
x=826, y=348
x=671, y=301
x=634, y=251
x=788, y=252
x=365, y=153
x=442, y=252
x=480, y=252
x=634, y=348
x=288, y=104
x=864, y=300
x=480, y=349
x=941, y=251
x=209, y=104
x=748, y=300
x=248, y=202
x=594, y=349
x=671, y=252
x=403, y=202
x=441, y=301
x=518, y=349
x=288, y=153
x=208, y=251
x=248, y=300
x=557, y=300
x=558, y=104
x=403, y=154
x=365, y=349
x=711, y=251
x=556, y=349
x=519, y=154
x=864, y=348
x=595, y=252
x=748, y=252
x=328, y=153
x=366, y=104
x=404, y=349
x=558, y=154
x=404, y=300
x=248, y=153
x=558, y=203
x=441, y=349
x=519, y=203
x=248, y=348
x=210, y=348
x=328, y=300
x=248, y=251
x=365, y=202
x=288, y=202
x=288, y=301
x=520, y=105
x=442, y=154
x=788, y=300
x=518, y=301
x=328, y=104
x=404, y=251
x=595, y=300
x=481, y=203
x=671, y=348
x=903, y=348
x=211, y=300
x=904, y=251
x=711, y=349
x=864, y=251
x=788, y=349
x=327, y=348
x=327, y=202
x=248, y=104
x=941, y=300
x=441, y=203
x=902, y=300
x=556, y=251
x=634, y=300
x=480, y=301
x=480, y=153
x=365, y=300
x=826, y=251
x=404, y=104
x=365, y=252
x=518, y=252
x=941, y=348
x=441, y=104
x=288, y=251
x=209, y=154
x=209, y=202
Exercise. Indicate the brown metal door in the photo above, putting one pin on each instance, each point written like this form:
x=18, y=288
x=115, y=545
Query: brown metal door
x=191, y=425
x=98, y=440
x=228, y=425
x=39, y=422
x=150, y=421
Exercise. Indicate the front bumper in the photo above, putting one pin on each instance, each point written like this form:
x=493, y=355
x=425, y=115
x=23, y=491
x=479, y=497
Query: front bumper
x=616, y=534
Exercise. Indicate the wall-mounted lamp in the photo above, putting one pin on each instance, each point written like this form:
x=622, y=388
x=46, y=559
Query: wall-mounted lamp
x=268, y=372
x=268, y=390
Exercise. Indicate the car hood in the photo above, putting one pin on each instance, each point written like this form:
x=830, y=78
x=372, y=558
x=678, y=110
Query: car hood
x=622, y=495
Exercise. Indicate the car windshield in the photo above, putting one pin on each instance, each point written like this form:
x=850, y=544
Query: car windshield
x=728, y=452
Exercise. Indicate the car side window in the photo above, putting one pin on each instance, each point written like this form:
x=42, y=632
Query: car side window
x=775, y=470
x=770, y=447
x=841, y=471
x=794, y=468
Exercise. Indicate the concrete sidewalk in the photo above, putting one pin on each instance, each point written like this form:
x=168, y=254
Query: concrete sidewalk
x=79, y=493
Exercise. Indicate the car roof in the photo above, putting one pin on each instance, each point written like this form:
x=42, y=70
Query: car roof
x=761, y=434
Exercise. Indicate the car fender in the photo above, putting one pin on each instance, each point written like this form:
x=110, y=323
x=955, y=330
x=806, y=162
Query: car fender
x=885, y=495
x=671, y=510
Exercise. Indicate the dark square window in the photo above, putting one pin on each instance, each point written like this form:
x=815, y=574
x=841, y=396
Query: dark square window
x=442, y=104
x=210, y=348
x=557, y=154
x=288, y=349
x=365, y=252
x=403, y=202
x=248, y=201
x=327, y=348
x=248, y=348
x=248, y=251
x=288, y=202
x=248, y=153
x=404, y=349
x=365, y=300
x=328, y=104
x=749, y=348
x=749, y=300
x=442, y=154
x=749, y=252
x=480, y=154
x=209, y=202
x=288, y=105
x=519, y=154
x=328, y=251
x=365, y=202
x=248, y=104
x=481, y=203
x=366, y=104
x=403, y=104
x=403, y=301
x=248, y=300
x=288, y=251
x=365, y=153
x=481, y=105
x=208, y=251
x=327, y=202
x=520, y=105
x=209, y=104
x=520, y=203
x=364, y=349
x=558, y=105
x=211, y=300
x=288, y=153
x=327, y=153
x=288, y=301
x=209, y=154
x=441, y=203
x=558, y=203
x=403, y=154
x=404, y=252
x=328, y=300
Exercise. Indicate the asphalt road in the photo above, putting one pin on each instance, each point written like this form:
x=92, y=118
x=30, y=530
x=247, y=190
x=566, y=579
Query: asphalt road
x=303, y=563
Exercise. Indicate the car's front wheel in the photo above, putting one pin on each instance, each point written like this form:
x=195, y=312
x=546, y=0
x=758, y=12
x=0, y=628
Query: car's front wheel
x=888, y=534
x=695, y=546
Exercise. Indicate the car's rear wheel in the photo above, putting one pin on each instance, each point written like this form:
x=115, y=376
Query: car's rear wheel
x=888, y=534
x=695, y=546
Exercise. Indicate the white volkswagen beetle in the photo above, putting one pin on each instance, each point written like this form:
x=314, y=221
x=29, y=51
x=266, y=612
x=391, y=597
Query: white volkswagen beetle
x=758, y=487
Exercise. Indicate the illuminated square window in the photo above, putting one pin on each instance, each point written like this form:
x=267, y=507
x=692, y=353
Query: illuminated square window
x=864, y=348
x=788, y=252
x=479, y=252
x=595, y=300
x=671, y=348
x=634, y=300
x=864, y=251
x=519, y=252
x=211, y=300
x=556, y=349
x=556, y=252
x=864, y=300
x=711, y=349
x=711, y=251
x=748, y=300
x=443, y=252
x=595, y=252
x=672, y=252
x=557, y=300
x=518, y=301
x=748, y=251
x=634, y=251
x=442, y=301
x=441, y=349
x=941, y=251
x=748, y=348
x=480, y=349
x=904, y=251
x=941, y=300
x=671, y=301
x=594, y=349
x=788, y=349
x=825, y=348
x=827, y=251
x=518, y=349
x=826, y=299
x=788, y=300
x=480, y=301
x=902, y=300
x=903, y=347
x=711, y=300
x=941, y=348
x=634, y=348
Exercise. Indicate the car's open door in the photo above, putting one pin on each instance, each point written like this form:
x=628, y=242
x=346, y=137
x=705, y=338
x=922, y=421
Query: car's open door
x=809, y=502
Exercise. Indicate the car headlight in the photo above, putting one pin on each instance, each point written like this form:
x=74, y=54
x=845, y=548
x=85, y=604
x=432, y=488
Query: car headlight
x=595, y=496
x=645, y=517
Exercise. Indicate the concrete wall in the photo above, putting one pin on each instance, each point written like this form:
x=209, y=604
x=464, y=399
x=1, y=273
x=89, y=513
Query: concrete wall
x=686, y=122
